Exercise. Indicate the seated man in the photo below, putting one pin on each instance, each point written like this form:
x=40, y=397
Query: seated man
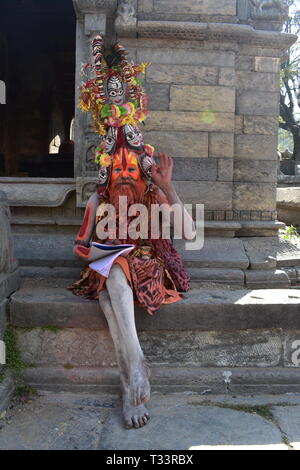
x=150, y=275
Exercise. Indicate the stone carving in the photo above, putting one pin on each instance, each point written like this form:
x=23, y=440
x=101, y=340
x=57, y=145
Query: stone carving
x=91, y=6
x=87, y=190
x=90, y=159
x=230, y=32
x=268, y=8
x=125, y=22
x=7, y=261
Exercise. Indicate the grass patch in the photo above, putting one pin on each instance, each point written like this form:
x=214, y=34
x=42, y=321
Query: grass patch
x=68, y=366
x=14, y=364
x=54, y=329
x=289, y=232
x=13, y=355
x=24, y=390
x=264, y=411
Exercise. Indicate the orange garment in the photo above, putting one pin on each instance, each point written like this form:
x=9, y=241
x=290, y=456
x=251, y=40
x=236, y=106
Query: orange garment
x=154, y=279
x=150, y=290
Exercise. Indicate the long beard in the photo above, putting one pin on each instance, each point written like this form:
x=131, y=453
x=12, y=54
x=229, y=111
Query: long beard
x=134, y=195
x=131, y=191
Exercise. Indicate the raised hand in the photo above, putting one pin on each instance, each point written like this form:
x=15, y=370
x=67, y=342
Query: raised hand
x=162, y=173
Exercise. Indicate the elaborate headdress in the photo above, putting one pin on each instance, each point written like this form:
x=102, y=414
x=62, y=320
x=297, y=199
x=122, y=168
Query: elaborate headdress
x=118, y=104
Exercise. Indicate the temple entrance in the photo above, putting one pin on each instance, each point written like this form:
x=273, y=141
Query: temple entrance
x=37, y=68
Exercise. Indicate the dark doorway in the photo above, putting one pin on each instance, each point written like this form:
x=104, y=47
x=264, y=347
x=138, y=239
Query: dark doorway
x=37, y=65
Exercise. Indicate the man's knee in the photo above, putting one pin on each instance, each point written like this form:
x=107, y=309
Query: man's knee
x=116, y=277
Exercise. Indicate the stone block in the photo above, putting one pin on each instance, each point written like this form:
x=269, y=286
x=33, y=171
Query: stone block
x=292, y=348
x=49, y=192
x=267, y=64
x=45, y=250
x=258, y=103
x=239, y=124
x=178, y=144
x=256, y=226
x=217, y=252
x=204, y=121
x=221, y=144
x=267, y=125
x=288, y=419
x=167, y=56
x=286, y=252
x=227, y=77
x=216, y=196
x=232, y=277
x=254, y=196
x=3, y=306
x=194, y=169
x=249, y=49
x=189, y=74
x=6, y=392
x=230, y=349
x=225, y=169
x=267, y=279
x=57, y=421
x=159, y=96
x=221, y=228
x=244, y=62
x=258, y=171
x=289, y=197
x=75, y=346
x=257, y=81
x=292, y=275
x=95, y=23
x=202, y=98
x=256, y=147
x=207, y=7
x=269, y=263
x=145, y=6
x=9, y=283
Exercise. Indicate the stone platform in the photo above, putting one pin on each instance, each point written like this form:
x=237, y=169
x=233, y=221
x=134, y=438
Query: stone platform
x=179, y=421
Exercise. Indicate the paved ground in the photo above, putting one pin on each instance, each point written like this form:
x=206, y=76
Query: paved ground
x=178, y=422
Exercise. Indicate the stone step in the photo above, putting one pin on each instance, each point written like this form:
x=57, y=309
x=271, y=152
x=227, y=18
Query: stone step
x=164, y=379
x=199, y=276
x=56, y=250
x=232, y=328
x=201, y=309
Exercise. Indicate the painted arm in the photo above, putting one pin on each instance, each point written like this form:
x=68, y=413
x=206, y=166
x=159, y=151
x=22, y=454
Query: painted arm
x=82, y=246
x=162, y=177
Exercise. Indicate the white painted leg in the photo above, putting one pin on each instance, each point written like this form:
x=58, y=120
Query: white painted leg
x=133, y=371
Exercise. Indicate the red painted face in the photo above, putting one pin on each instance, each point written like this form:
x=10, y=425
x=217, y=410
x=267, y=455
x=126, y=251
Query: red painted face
x=125, y=167
x=126, y=173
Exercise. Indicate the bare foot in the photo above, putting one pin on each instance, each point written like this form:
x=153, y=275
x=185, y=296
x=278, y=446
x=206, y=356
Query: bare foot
x=139, y=385
x=134, y=416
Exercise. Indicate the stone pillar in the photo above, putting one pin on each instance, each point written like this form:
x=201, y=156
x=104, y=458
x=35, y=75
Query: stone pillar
x=255, y=154
x=213, y=87
x=93, y=16
x=9, y=274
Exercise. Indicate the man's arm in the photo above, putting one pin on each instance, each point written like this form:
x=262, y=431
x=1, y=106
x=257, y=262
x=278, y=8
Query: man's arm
x=162, y=177
x=82, y=246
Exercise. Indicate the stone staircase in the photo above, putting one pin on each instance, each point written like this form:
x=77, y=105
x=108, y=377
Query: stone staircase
x=217, y=338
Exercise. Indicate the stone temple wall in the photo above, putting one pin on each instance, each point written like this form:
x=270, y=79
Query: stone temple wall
x=213, y=88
